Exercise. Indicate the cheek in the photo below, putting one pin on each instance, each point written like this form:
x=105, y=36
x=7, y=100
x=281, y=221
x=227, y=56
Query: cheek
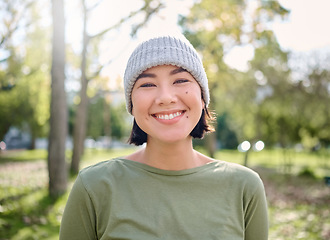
x=139, y=102
x=194, y=94
x=135, y=103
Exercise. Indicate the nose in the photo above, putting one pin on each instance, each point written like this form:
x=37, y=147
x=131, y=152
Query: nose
x=166, y=95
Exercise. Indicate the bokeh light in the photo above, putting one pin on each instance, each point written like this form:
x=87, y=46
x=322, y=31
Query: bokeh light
x=244, y=146
x=258, y=146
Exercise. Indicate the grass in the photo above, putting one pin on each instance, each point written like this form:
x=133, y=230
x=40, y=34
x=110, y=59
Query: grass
x=298, y=206
x=22, y=155
x=298, y=198
x=32, y=216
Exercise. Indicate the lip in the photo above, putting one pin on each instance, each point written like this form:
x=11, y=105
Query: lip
x=168, y=116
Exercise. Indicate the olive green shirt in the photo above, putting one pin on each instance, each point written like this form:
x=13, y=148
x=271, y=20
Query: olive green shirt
x=123, y=199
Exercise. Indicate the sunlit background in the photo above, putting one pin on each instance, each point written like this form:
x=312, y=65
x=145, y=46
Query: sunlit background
x=303, y=32
x=268, y=64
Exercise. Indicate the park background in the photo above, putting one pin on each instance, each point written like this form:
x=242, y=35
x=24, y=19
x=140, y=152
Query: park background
x=62, y=104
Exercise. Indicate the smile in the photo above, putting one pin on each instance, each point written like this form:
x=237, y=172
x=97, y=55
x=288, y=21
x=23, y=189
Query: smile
x=167, y=116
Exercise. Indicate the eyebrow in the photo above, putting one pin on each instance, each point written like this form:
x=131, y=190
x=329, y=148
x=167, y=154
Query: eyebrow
x=151, y=75
x=146, y=75
x=178, y=70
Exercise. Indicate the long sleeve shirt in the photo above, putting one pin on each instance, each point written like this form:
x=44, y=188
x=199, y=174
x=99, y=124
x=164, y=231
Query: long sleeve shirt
x=123, y=199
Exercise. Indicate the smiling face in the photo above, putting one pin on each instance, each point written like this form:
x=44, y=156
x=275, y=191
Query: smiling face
x=167, y=103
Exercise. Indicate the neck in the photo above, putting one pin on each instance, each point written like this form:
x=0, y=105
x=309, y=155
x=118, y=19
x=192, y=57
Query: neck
x=173, y=156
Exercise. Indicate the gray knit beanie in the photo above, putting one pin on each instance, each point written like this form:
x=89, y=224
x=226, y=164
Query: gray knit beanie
x=164, y=50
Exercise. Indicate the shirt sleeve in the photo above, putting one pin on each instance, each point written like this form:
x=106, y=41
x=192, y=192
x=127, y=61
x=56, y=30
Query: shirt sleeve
x=256, y=215
x=78, y=221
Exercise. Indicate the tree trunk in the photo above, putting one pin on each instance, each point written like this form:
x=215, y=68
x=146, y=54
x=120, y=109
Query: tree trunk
x=58, y=108
x=211, y=144
x=33, y=142
x=107, y=121
x=79, y=131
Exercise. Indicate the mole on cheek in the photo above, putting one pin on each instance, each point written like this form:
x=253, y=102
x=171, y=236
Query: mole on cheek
x=186, y=92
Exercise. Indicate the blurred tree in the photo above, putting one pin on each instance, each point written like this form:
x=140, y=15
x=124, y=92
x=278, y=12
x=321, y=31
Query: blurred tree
x=108, y=114
x=292, y=110
x=24, y=78
x=207, y=26
x=12, y=14
x=107, y=119
x=58, y=109
x=35, y=95
x=119, y=127
x=12, y=19
x=225, y=135
x=312, y=102
x=274, y=121
x=271, y=74
x=95, y=125
x=9, y=100
x=214, y=28
x=79, y=132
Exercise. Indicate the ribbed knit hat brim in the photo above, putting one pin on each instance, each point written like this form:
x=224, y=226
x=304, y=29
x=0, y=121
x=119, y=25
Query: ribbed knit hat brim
x=165, y=50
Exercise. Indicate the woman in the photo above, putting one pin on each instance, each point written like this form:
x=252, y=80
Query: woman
x=166, y=190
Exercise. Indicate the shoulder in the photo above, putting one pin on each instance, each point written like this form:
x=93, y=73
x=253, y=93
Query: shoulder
x=232, y=170
x=240, y=175
x=95, y=169
x=243, y=182
x=107, y=167
x=100, y=174
x=240, y=170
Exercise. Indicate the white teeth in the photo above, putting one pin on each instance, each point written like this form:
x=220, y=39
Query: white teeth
x=169, y=117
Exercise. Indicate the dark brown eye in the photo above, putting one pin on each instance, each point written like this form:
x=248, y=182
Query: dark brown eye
x=146, y=85
x=181, y=81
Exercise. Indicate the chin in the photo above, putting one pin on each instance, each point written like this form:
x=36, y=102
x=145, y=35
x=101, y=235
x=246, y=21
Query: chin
x=175, y=137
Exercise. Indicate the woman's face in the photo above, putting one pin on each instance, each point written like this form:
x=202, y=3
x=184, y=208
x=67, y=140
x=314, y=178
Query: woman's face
x=167, y=103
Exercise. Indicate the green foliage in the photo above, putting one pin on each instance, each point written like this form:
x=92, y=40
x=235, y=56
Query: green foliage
x=314, y=101
x=214, y=28
x=121, y=125
x=9, y=95
x=96, y=123
x=265, y=102
x=100, y=121
x=26, y=70
x=307, y=172
x=225, y=135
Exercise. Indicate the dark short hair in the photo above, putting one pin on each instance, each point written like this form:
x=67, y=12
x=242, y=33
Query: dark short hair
x=139, y=137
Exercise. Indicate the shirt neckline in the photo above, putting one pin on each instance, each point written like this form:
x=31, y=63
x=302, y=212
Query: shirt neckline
x=164, y=172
